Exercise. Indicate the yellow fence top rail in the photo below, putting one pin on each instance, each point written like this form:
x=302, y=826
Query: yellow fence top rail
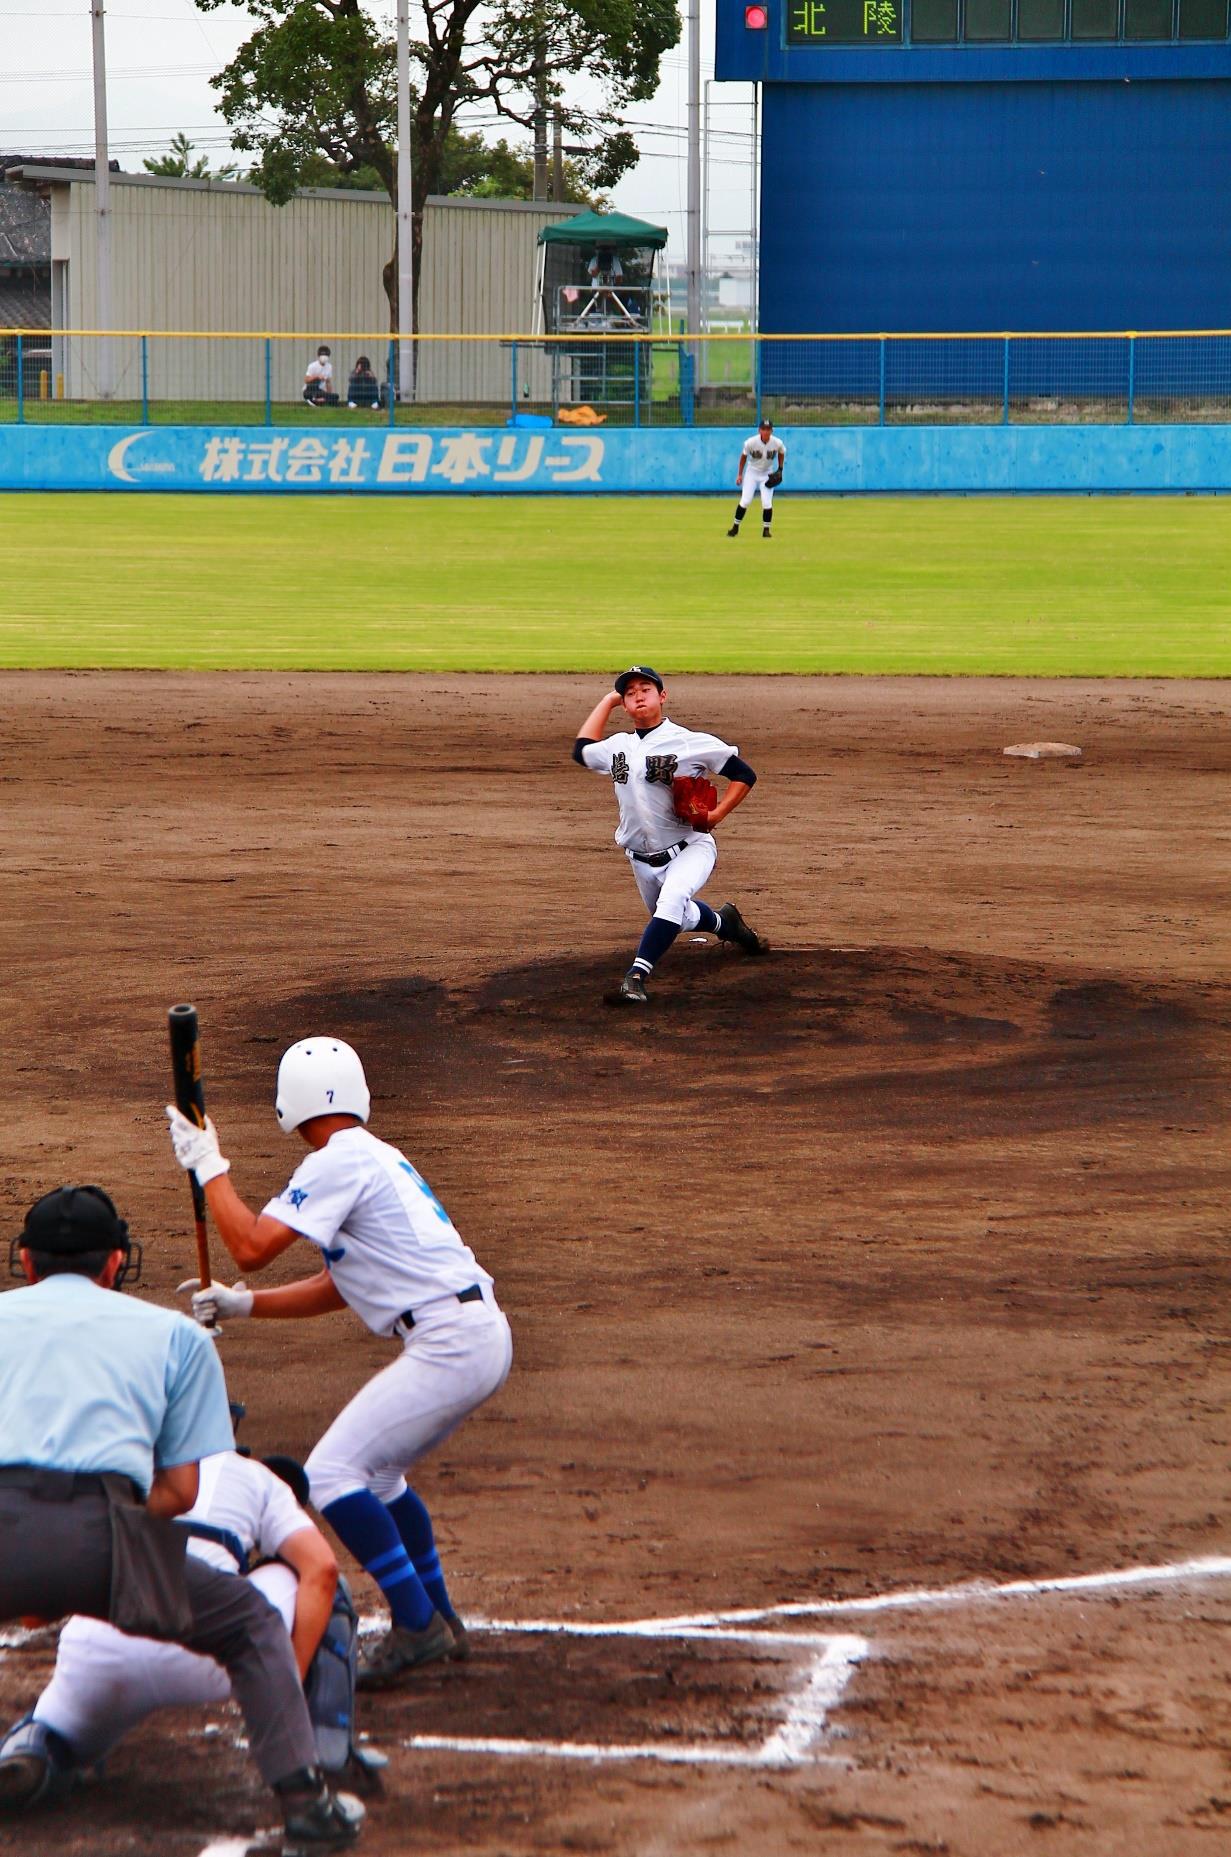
x=572, y=337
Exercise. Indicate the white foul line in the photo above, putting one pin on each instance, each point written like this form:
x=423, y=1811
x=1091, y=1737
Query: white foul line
x=789, y=1745
x=1209, y=1567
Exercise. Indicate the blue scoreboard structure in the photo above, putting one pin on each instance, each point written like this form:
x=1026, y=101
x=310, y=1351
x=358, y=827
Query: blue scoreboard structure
x=963, y=165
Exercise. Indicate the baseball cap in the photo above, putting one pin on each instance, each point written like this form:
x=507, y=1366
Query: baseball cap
x=636, y=670
x=73, y=1219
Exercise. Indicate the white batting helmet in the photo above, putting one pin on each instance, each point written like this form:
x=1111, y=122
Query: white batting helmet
x=320, y=1076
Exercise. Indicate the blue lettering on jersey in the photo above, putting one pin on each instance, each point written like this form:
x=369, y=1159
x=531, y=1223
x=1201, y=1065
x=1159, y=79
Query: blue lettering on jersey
x=296, y=1195
x=426, y=1190
x=333, y=1255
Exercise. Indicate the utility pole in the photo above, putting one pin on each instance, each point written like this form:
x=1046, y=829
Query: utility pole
x=557, y=159
x=540, y=112
x=405, y=214
x=694, y=167
x=102, y=204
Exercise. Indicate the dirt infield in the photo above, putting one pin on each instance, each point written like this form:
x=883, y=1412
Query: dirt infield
x=895, y=1261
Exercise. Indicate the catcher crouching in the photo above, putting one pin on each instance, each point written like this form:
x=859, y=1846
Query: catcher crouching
x=668, y=810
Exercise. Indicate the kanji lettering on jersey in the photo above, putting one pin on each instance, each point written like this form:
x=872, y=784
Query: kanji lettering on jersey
x=660, y=769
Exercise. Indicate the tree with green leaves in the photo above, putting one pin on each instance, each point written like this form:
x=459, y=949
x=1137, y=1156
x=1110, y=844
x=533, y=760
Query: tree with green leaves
x=179, y=164
x=318, y=78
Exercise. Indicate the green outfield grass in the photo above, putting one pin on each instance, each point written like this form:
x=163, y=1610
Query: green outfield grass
x=1045, y=586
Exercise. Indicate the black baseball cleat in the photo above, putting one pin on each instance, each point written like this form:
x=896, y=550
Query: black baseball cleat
x=630, y=992
x=732, y=927
x=315, y=1819
x=460, y=1653
x=401, y=1650
x=766, y=534
x=734, y=529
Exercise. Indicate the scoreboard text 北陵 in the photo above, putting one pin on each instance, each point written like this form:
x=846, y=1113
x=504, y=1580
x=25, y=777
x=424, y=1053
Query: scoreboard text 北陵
x=844, y=22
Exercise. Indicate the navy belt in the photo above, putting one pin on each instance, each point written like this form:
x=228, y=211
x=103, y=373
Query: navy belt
x=659, y=858
x=473, y=1294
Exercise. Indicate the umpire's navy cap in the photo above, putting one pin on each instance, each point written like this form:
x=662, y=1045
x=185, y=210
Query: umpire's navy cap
x=74, y=1219
x=636, y=670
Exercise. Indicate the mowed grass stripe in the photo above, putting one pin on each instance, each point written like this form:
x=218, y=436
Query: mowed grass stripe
x=1044, y=586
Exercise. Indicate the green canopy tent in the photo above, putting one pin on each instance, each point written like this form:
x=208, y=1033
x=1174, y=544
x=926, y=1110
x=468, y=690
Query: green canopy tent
x=596, y=273
x=615, y=229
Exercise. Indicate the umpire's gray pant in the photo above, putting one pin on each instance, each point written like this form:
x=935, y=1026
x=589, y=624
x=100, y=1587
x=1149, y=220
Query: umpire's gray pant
x=55, y=1558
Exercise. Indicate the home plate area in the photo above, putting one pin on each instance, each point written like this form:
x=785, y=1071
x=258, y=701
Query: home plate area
x=651, y=1690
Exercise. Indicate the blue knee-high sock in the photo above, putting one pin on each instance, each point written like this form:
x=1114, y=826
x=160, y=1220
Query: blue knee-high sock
x=363, y=1523
x=709, y=917
x=658, y=937
x=414, y=1524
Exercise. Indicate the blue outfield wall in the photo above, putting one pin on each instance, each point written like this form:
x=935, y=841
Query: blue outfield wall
x=466, y=462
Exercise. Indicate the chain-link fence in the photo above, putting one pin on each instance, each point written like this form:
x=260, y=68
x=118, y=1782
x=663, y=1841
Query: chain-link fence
x=148, y=378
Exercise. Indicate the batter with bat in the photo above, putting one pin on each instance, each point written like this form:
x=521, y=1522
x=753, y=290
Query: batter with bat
x=390, y=1252
x=668, y=811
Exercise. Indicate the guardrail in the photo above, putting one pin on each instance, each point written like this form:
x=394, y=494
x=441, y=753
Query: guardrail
x=147, y=377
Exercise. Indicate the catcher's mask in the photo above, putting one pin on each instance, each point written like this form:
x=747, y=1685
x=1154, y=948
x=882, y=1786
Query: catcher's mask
x=72, y=1221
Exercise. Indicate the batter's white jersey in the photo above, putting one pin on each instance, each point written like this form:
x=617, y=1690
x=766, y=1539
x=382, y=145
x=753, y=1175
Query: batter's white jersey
x=642, y=765
x=761, y=456
x=387, y=1241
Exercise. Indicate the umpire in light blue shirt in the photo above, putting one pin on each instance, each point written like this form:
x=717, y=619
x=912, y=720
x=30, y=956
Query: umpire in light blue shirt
x=106, y=1408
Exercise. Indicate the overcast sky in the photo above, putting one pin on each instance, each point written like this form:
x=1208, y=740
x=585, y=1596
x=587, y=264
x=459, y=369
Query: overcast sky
x=161, y=55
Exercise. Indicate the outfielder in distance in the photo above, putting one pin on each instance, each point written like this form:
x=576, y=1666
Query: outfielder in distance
x=761, y=464
x=672, y=852
x=392, y=1254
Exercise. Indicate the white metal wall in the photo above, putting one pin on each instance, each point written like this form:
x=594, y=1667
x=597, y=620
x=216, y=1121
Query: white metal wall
x=201, y=255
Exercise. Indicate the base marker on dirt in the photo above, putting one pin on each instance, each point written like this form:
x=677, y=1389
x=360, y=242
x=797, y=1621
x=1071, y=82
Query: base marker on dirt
x=1045, y=751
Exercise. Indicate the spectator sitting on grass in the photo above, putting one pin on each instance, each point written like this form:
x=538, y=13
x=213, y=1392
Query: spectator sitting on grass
x=362, y=389
x=318, y=381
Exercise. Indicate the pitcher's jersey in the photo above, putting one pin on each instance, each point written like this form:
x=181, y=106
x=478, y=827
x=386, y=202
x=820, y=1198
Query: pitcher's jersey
x=387, y=1241
x=642, y=768
x=240, y=1495
x=763, y=456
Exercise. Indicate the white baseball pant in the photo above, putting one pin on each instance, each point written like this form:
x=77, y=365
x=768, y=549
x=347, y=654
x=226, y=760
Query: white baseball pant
x=752, y=482
x=105, y=1681
x=457, y=1355
x=667, y=890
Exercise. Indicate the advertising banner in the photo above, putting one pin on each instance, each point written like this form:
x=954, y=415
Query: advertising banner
x=403, y=461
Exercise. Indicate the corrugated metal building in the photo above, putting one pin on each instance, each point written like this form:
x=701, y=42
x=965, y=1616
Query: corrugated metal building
x=216, y=256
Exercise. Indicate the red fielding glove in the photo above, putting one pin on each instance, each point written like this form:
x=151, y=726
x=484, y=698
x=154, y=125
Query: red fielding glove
x=693, y=798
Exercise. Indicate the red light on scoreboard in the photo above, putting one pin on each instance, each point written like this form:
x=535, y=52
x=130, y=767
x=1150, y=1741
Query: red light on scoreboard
x=756, y=18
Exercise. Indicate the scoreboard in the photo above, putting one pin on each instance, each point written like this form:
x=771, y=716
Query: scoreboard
x=844, y=22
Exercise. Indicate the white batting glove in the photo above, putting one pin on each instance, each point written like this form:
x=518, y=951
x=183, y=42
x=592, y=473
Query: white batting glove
x=217, y=1300
x=196, y=1149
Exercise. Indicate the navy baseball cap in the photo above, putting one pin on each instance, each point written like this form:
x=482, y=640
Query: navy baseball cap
x=74, y=1219
x=636, y=670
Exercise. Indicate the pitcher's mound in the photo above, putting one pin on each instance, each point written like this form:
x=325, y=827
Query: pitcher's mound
x=1045, y=751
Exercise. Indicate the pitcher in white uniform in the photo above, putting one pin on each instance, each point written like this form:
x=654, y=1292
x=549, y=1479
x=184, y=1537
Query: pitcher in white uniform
x=670, y=860
x=391, y=1253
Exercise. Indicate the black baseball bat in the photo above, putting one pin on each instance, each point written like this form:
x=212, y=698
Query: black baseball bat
x=190, y=1101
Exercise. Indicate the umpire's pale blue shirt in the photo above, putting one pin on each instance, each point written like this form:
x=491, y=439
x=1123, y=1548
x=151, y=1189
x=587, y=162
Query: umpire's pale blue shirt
x=91, y=1380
